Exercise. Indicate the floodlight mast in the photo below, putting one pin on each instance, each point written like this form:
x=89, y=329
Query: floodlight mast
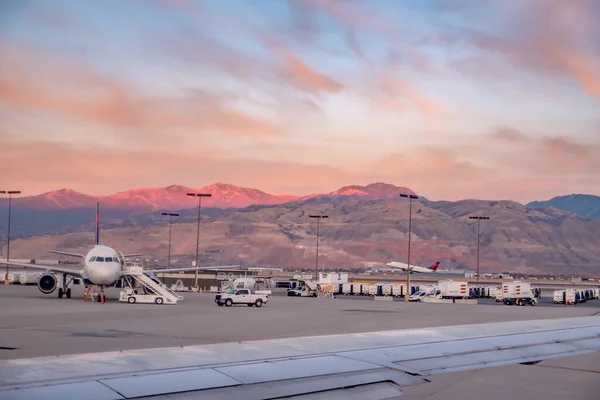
x=410, y=198
x=199, y=196
x=318, y=218
x=9, y=193
x=478, y=218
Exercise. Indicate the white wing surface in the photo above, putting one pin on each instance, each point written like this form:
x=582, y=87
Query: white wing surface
x=68, y=271
x=186, y=269
x=372, y=365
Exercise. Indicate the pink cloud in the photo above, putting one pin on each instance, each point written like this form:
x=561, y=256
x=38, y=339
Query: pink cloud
x=395, y=88
x=35, y=81
x=297, y=71
x=556, y=38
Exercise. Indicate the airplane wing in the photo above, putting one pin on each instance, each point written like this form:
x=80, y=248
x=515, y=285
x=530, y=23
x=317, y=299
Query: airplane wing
x=48, y=268
x=66, y=253
x=185, y=269
x=375, y=365
x=132, y=255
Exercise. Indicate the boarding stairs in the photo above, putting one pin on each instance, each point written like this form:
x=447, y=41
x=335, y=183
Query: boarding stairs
x=149, y=285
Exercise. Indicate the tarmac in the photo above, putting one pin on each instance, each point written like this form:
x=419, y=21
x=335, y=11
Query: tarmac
x=34, y=325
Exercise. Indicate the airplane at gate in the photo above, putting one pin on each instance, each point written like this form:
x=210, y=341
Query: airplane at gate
x=414, y=268
x=102, y=267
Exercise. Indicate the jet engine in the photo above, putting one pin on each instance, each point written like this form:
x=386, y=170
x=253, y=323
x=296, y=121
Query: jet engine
x=47, y=283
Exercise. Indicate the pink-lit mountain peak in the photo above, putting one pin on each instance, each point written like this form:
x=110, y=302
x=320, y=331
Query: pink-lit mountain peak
x=175, y=197
x=57, y=200
x=373, y=191
x=224, y=194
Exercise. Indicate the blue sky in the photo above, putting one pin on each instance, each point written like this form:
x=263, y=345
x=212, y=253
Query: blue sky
x=299, y=96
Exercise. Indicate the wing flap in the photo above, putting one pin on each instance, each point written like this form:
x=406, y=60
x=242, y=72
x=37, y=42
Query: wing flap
x=477, y=360
x=90, y=390
x=294, y=369
x=172, y=382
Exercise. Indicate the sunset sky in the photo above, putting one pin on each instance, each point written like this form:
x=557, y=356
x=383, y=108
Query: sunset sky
x=458, y=99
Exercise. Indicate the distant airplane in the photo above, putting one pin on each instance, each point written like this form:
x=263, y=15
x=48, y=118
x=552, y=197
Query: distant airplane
x=414, y=268
x=102, y=267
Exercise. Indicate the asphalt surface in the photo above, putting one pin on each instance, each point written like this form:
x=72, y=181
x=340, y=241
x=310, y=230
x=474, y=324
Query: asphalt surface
x=33, y=324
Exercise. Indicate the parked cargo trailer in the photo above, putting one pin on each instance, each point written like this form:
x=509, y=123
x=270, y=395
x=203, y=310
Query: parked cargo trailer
x=453, y=290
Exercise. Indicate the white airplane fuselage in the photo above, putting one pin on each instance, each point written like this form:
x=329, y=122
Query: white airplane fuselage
x=413, y=268
x=101, y=266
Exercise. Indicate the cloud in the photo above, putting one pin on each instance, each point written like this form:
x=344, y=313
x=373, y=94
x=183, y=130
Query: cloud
x=101, y=170
x=434, y=172
x=555, y=38
x=347, y=12
x=546, y=154
x=33, y=80
x=298, y=72
x=394, y=88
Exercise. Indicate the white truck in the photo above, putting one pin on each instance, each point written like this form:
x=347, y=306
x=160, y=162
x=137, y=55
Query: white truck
x=241, y=296
x=431, y=293
x=518, y=293
x=454, y=290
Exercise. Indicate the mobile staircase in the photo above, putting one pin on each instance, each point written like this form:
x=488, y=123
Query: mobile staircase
x=154, y=291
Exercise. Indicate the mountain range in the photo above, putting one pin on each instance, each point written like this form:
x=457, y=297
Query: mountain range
x=367, y=225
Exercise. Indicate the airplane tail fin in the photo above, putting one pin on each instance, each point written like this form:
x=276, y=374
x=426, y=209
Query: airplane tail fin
x=97, y=223
x=435, y=266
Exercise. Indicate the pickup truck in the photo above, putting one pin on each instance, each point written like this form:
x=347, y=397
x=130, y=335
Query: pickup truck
x=241, y=296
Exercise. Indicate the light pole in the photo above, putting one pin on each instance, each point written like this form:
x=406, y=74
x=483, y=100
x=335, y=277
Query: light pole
x=10, y=193
x=318, y=217
x=170, y=215
x=410, y=197
x=199, y=196
x=478, y=221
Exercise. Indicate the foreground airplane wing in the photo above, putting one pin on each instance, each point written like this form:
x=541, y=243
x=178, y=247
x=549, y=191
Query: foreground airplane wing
x=185, y=269
x=68, y=271
x=370, y=366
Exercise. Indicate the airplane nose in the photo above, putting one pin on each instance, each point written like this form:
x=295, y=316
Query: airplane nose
x=107, y=274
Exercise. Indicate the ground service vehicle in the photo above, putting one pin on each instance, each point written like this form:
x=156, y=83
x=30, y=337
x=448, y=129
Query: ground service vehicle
x=241, y=296
x=421, y=294
x=302, y=292
x=518, y=293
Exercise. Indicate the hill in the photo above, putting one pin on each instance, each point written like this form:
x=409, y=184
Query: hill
x=586, y=206
x=66, y=210
x=360, y=231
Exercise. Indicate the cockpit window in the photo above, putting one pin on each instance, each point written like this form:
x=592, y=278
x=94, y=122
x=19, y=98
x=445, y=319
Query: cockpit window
x=100, y=259
x=93, y=259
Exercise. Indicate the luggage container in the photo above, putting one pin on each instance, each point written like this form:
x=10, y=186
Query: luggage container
x=386, y=290
x=398, y=290
x=347, y=288
x=357, y=289
x=559, y=296
x=374, y=290
x=29, y=278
